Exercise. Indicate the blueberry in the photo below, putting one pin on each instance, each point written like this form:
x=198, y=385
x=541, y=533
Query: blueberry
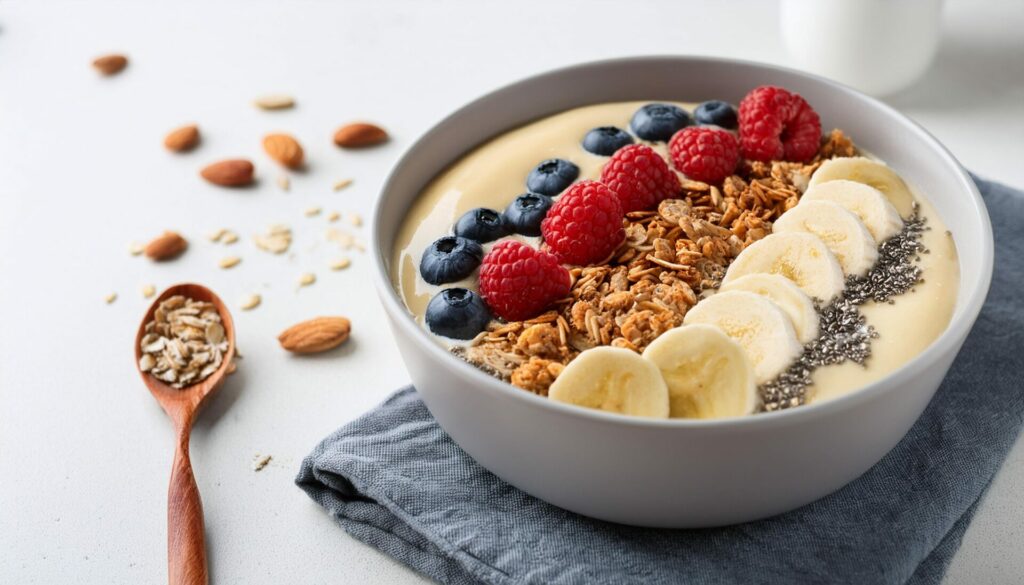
x=606, y=140
x=658, y=122
x=716, y=113
x=525, y=213
x=457, y=313
x=449, y=259
x=481, y=224
x=552, y=176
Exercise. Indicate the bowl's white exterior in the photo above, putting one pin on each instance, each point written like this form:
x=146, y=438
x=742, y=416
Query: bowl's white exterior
x=679, y=473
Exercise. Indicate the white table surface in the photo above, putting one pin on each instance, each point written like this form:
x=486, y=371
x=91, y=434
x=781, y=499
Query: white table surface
x=85, y=451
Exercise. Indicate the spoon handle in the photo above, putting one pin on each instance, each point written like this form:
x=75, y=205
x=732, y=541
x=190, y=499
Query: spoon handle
x=186, y=542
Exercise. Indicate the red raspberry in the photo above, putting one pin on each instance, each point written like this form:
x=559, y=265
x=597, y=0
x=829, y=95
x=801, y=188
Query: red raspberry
x=776, y=124
x=518, y=282
x=585, y=224
x=704, y=153
x=640, y=177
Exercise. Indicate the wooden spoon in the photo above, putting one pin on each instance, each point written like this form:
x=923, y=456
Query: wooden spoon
x=186, y=543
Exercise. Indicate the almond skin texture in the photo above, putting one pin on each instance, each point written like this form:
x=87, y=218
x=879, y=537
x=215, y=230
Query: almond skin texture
x=182, y=139
x=284, y=149
x=315, y=335
x=229, y=173
x=110, y=64
x=359, y=135
x=165, y=247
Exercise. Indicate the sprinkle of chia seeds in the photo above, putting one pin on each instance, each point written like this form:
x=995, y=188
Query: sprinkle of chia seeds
x=845, y=334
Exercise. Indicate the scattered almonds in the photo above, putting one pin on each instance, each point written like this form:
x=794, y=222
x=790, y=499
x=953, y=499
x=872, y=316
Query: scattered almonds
x=110, y=64
x=251, y=302
x=307, y=279
x=338, y=186
x=360, y=134
x=166, y=246
x=341, y=264
x=182, y=139
x=136, y=249
x=148, y=291
x=184, y=343
x=315, y=335
x=277, y=239
x=110, y=298
x=355, y=219
x=229, y=261
x=312, y=211
x=274, y=102
x=229, y=173
x=260, y=461
x=284, y=182
x=284, y=149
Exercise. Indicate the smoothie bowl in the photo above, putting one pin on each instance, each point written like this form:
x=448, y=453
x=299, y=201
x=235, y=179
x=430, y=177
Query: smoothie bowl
x=679, y=292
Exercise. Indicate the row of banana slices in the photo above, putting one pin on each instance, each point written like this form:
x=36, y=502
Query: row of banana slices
x=757, y=324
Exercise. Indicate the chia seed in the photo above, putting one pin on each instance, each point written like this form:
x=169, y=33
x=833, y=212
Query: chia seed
x=845, y=334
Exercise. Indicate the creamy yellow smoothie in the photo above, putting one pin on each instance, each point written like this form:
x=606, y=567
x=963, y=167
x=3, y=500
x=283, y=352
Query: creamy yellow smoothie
x=493, y=174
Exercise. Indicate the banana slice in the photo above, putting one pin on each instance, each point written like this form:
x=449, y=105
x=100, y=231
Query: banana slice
x=842, y=231
x=788, y=296
x=612, y=379
x=761, y=328
x=802, y=258
x=869, y=172
x=708, y=374
x=869, y=204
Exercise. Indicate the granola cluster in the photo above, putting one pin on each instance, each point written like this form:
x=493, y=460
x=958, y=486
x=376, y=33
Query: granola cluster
x=668, y=258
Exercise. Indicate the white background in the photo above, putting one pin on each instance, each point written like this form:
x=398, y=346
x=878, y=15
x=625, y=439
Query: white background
x=85, y=451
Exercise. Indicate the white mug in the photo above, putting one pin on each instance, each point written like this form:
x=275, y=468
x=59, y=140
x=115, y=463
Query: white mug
x=876, y=46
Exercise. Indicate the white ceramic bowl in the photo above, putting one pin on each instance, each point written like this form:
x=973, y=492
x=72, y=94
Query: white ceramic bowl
x=680, y=473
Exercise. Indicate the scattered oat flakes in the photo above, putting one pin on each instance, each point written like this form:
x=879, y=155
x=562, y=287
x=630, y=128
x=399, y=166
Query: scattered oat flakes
x=307, y=279
x=184, y=343
x=229, y=261
x=338, y=186
x=312, y=211
x=260, y=461
x=341, y=264
x=334, y=216
x=136, y=249
x=344, y=239
x=229, y=237
x=274, y=102
x=251, y=302
x=148, y=291
x=284, y=182
x=217, y=235
x=110, y=298
x=277, y=239
x=355, y=219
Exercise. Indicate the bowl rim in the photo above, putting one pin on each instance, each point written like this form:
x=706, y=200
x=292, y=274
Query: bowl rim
x=959, y=326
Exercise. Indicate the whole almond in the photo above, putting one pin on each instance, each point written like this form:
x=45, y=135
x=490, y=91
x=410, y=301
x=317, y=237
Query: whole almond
x=167, y=246
x=284, y=149
x=315, y=335
x=182, y=139
x=229, y=173
x=110, y=64
x=359, y=134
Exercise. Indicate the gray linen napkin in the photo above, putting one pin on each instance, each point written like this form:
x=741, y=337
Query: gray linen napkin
x=395, y=480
